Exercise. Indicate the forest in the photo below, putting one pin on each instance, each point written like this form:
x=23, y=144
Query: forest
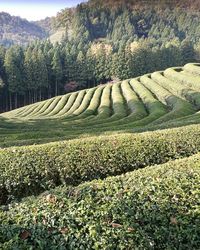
x=101, y=44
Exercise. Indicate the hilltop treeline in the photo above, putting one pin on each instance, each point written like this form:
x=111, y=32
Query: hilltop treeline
x=101, y=44
x=42, y=70
x=123, y=21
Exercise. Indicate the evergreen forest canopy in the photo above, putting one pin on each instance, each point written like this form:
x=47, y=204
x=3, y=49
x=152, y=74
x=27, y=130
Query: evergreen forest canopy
x=101, y=44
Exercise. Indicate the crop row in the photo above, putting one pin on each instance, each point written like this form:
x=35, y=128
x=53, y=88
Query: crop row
x=193, y=68
x=30, y=170
x=157, y=97
x=152, y=208
x=188, y=80
x=178, y=106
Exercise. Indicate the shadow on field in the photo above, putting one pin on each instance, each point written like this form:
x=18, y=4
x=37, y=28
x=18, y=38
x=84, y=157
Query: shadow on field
x=44, y=131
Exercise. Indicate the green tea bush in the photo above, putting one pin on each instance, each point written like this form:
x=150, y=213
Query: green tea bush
x=30, y=170
x=31, y=110
x=178, y=106
x=60, y=105
x=52, y=106
x=105, y=103
x=21, y=111
x=193, y=68
x=114, y=112
x=177, y=88
x=85, y=103
x=134, y=104
x=41, y=108
x=118, y=105
x=77, y=103
x=154, y=107
x=153, y=208
x=188, y=80
x=94, y=104
x=68, y=104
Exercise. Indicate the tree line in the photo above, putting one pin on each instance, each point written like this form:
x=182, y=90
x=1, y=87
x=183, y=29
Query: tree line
x=43, y=70
x=101, y=44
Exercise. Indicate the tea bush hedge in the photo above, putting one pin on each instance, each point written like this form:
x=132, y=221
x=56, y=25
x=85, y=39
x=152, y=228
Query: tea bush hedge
x=153, y=208
x=32, y=169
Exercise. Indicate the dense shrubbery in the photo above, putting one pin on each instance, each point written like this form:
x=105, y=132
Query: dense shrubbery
x=153, y=208
x=177, y=88
x=30, y=170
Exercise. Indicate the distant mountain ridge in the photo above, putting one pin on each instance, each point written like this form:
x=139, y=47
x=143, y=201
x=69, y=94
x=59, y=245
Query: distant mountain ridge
x=97, y=19
x=15, y=30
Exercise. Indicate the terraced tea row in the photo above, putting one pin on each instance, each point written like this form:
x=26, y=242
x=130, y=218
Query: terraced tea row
x=159, y=100
x=170, y=94
x=30, y=170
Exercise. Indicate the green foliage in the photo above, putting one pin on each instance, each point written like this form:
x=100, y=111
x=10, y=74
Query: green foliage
x=190, y=81
x=85, y=103
x=177, y=88
x=153, y=208
x=57, y=70
x=94, y=103
x=155, y=108
x=150, y=208
x=192, y=68
x=160, y=32
x=133, y=105
x=14, y=66
x=178, y=106
x=30, y=170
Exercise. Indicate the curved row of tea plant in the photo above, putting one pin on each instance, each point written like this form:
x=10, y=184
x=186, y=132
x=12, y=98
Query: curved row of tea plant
x=158, y=100
x=176, y=91
x=153, y=208
x=30, y=170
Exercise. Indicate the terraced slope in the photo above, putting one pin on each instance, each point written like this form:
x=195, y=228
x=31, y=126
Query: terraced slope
x=155, y=206
x=173, y=91
x=156, y=100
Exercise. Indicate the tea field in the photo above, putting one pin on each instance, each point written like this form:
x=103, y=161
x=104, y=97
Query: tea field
x=116, y=166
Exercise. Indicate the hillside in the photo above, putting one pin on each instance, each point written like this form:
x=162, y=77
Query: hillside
x=111, y=167
x=141, y=209
x=100, y=127
x=140, y=4
x=105, y=19
x=15, y=30
x=98, y=44
x=160, y=99
x=122, y=21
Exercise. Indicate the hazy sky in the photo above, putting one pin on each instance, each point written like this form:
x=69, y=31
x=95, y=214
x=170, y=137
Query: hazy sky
x=35, y=9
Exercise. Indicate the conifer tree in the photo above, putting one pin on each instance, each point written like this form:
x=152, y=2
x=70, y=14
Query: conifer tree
x=57, y=70
x=14, y=70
